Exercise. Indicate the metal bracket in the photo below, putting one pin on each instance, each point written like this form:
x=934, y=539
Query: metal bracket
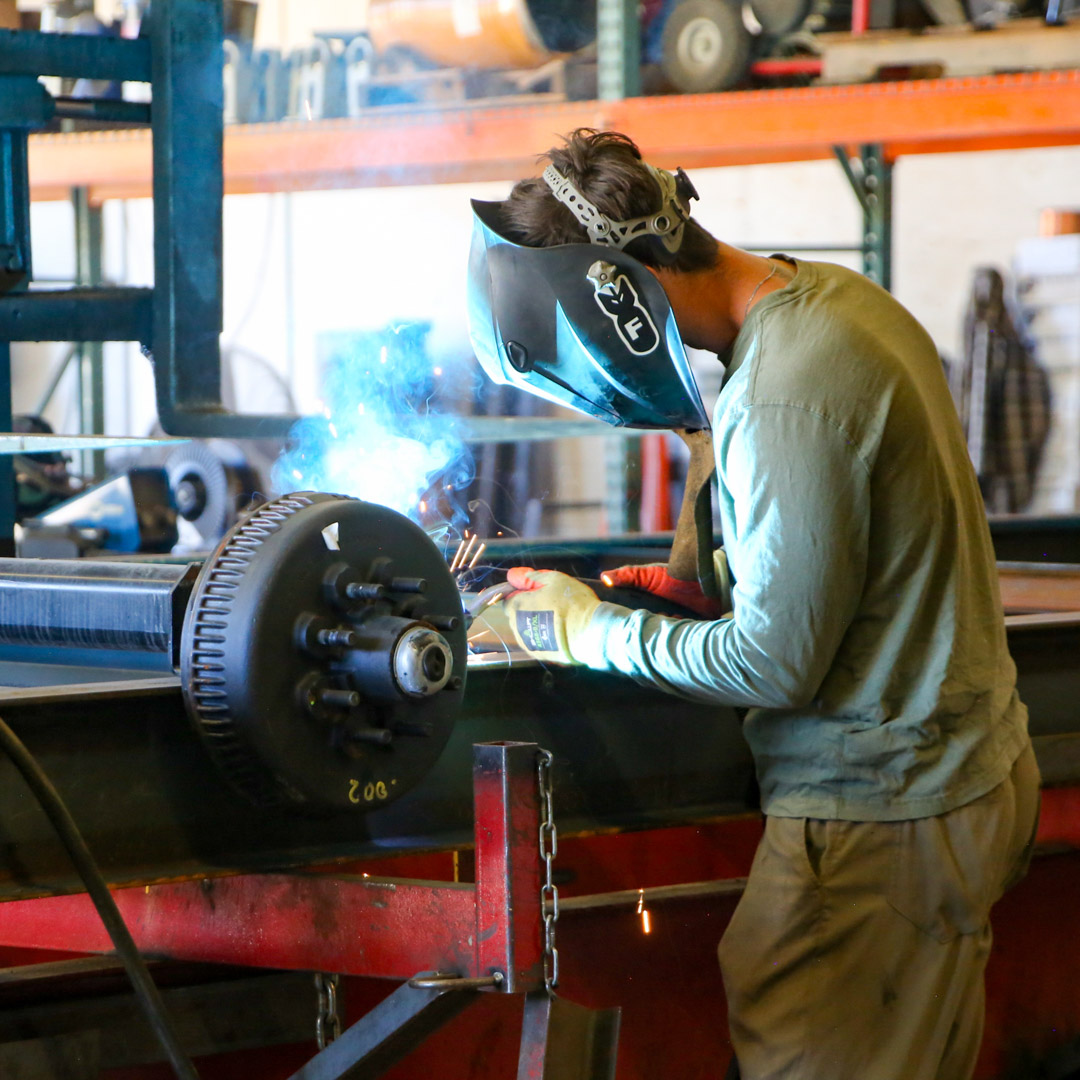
x=440, y=980
x=561, y=1040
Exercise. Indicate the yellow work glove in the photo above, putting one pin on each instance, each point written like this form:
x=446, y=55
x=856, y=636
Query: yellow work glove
x=549, y=612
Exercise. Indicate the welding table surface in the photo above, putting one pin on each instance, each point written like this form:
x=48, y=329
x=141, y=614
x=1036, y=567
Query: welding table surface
x=153, y=805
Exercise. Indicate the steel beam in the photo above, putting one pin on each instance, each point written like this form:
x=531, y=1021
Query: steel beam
x=382, y=927
x=106, y=110
x=508, y=879
x=186, y=62
x=386, y=1034
x=626, y=757
x=15, y=269
x=214, y=1011
x=188, y=135
x=7, y=468
x=81, y=314
x=90, y=355
x=564, y=1041
x=361, y=926
x=74, y=56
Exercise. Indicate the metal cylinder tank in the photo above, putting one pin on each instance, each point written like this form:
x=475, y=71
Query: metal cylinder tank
x=483, y=33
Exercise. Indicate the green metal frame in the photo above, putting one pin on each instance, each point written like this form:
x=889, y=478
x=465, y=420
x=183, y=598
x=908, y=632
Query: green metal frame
x=89, y=355
x=618, y=49
x=871, y=177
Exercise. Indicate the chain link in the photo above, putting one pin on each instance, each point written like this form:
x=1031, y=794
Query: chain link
x=327, y=1018
x=549, y=848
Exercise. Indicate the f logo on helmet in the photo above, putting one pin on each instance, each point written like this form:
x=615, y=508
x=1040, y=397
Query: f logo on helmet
x=618, y=299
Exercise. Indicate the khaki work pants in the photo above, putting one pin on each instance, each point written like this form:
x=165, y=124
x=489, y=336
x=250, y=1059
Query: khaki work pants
x=857, y=951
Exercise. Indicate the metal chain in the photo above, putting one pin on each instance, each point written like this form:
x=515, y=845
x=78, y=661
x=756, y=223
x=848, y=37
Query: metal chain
x=549, y=848
x=327, y=1019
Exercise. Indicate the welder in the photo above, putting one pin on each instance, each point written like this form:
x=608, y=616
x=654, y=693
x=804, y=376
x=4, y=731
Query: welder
x=853, y=610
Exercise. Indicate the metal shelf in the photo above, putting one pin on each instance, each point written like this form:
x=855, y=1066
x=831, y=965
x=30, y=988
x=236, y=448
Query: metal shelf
x=492, y=142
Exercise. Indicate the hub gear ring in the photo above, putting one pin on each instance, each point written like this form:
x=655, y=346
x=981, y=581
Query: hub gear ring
x=297, y=633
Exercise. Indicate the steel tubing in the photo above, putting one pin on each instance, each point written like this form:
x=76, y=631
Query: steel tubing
x=91, y=605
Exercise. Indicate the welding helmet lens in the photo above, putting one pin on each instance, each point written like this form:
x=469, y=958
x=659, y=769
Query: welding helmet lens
x=582, y=325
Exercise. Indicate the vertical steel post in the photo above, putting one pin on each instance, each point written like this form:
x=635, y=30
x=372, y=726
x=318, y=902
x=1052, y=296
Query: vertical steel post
x=877, y=214
x=870, y=176
x=509, y=919
x=622, y=470
x=618, y=49
x=187, y=57
x=89, y=354
x=15, y=270
x=7, y=472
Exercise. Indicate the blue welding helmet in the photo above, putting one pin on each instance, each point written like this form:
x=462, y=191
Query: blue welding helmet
x=583, y=325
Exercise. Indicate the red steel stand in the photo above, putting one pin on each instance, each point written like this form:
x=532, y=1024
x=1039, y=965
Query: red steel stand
x=488, y=936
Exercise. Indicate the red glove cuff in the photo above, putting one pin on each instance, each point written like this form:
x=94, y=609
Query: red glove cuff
x=655, y=579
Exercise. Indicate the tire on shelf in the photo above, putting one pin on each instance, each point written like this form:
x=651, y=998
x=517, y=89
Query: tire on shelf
x=780, y=17
x=705, y=46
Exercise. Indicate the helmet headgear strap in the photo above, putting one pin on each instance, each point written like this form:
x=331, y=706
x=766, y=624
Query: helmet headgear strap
x=667, y=224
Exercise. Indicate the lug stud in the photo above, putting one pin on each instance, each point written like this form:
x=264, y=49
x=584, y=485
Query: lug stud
x=408, y=584
x=375, y=735
x=358, y=590
x=339, y=699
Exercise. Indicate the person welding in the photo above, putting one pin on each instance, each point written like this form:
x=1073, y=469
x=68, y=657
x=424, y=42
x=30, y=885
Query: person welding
x=853, y=609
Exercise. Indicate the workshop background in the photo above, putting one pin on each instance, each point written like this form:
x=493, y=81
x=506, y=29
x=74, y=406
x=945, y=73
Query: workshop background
x=932, y=144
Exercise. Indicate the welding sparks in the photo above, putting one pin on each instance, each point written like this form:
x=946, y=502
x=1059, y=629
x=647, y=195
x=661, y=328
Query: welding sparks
x=466, y=553
x=646, y=924
x=476, y=558
x=457, y=555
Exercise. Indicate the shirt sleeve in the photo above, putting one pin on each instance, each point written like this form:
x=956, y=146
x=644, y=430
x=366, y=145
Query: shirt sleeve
x=800, y=501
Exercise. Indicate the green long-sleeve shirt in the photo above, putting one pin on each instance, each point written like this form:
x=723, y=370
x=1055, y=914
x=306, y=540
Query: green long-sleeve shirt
x=867, y=636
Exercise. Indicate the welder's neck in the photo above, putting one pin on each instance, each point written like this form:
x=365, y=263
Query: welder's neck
x=711, y=305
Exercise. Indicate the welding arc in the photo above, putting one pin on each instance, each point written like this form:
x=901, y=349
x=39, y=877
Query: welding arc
x=143, y=984
x=465, y=554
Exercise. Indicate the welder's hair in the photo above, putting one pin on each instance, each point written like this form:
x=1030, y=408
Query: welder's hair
x=606, y=167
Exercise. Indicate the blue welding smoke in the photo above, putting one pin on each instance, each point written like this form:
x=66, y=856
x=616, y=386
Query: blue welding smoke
x=383, y=434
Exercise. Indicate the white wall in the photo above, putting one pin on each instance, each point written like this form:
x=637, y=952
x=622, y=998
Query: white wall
x=297, y=265
x=285, y=24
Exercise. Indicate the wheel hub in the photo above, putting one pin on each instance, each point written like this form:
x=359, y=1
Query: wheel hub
x=324, y=653
x=700, y=44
